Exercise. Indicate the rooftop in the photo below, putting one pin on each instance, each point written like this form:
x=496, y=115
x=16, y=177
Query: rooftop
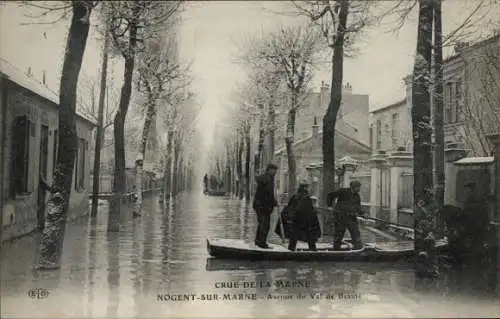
x=398, y=103
x=475, y=160
x=337, y=131
x=17, y=76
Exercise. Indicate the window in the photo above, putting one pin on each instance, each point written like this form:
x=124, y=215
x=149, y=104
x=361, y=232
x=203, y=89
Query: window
x=394, y=129
x=379, y=135
x=20, y=155
x=448, y=89
x=54, y=150
x=458, y=100
x=371, y=136
x=80, y=165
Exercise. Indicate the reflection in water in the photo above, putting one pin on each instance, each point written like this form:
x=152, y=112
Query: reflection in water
x=92, y=264
x=148, y=260
x=164, y=251
x=245, y=210
x=136, y=264
x=262, y=279
x=113, y=274
x=166, y=230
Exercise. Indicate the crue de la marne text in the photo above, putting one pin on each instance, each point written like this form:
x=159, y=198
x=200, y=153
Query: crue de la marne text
x=262, y=284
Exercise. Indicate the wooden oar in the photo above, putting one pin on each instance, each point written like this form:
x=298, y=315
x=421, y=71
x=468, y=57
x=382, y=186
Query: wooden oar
x=282, y=228
x=375, y=219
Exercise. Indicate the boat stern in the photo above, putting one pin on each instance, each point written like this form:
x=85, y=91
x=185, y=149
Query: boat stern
x=209, y=247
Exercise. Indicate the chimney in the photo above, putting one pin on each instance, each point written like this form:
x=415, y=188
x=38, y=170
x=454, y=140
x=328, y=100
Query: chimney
x=44, y=82
x=347, y=88
x=315, y=127
x=29, y=71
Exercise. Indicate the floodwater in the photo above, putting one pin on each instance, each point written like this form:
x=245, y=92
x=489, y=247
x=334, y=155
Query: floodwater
x=139, y=273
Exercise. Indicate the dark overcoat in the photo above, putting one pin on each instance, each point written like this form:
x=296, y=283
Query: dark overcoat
x=300, y=217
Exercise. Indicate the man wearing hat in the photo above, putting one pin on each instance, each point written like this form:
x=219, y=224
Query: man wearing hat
x=304, y=223
x=263, y=203
x=347, y=208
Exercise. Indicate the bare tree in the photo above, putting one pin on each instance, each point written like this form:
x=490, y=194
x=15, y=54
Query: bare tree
x=100, y=127
x=423, y=193
x=293, y=50
x=158, y=66
x=184, y=129
x=55, y=224
x=438, y=111
x=242, y=117
x=178, y=117
x=268, y=80
x=331, y=17
x=131, y=24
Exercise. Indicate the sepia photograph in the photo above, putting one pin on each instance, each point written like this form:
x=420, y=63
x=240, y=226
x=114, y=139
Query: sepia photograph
x=250, y=159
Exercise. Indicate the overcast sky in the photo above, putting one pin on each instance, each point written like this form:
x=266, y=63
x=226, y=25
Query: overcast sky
x=208, y=35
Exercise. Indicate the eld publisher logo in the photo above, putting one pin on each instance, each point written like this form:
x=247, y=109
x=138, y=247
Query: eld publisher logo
x=38, y=293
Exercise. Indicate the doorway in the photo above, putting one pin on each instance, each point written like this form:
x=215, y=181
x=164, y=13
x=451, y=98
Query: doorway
x=42, y=169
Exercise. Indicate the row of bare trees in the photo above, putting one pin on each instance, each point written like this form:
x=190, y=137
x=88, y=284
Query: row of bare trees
x=142, y=33
x=280, y=67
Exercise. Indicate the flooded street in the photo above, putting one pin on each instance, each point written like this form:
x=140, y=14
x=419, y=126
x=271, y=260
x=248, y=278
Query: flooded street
x=149, y=268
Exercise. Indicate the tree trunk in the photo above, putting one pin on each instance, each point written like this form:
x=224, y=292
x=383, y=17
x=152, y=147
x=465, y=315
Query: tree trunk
x=167, y=191
x=289, y=140
x=119, y=182
x=330, y=118
x=57, y=207
x=247, y=162
x=100, y=128
x=272, y=129
x=175, y=179
x=438, y=113
x=139, y=162
x=260, y=147
x=239, y=165
x=180, y=180
x=229, y=171
x=425, y=218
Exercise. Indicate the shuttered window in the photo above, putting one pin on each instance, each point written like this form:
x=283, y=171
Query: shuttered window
x=21, y=128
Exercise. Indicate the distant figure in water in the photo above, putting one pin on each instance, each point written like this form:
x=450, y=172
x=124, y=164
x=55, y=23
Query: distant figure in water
x=264, y=203
x=205, y=183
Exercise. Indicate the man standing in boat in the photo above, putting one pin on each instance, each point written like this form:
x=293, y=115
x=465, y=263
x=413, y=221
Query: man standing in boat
x=263, y=203
x=347, y=208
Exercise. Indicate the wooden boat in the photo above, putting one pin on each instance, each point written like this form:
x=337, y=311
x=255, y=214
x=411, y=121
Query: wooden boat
x=243, y=250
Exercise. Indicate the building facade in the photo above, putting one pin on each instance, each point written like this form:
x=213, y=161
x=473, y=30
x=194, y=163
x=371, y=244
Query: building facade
x=309, y=152
x=29, y=150
x=471, y=103
x=389, y=127
x=352, y=136
x=353, y=114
